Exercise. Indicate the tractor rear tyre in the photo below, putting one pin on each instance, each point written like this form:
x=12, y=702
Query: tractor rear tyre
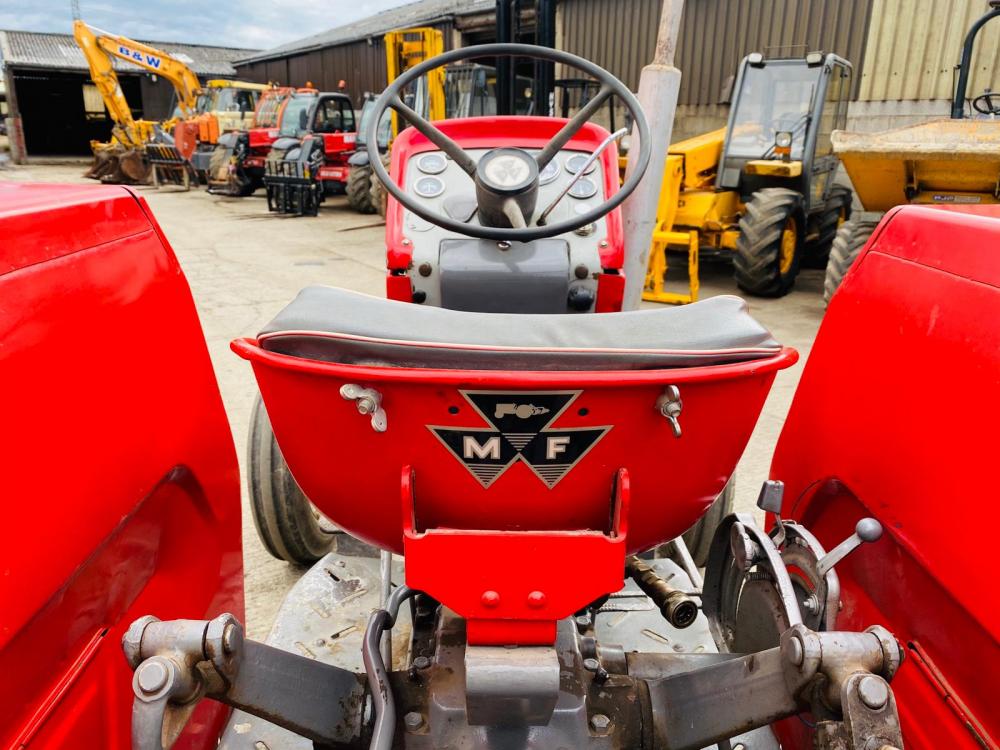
x=769, y=248
x=359, y=185
x=287, y=523
x=836, y=212
x=699, y=537
x=851, y=237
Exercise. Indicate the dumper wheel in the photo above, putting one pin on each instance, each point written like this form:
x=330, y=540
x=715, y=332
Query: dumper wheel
x=851, y=237
x=699, y=537
x=359, y=186
x=287, y=523
x=836, y=212
x=769, y=248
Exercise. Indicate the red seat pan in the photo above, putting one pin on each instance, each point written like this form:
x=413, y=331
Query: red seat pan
x=352, y=473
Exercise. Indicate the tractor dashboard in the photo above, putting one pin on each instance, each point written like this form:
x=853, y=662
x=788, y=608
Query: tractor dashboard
x=561, y=274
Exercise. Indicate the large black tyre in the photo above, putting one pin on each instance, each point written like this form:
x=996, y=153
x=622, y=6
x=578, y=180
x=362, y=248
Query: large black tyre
x=769, y=248
x=359, y=185
x=699, y=537
x=287, y=523
x=379, y=195
x=836, y=212
x=851, y=237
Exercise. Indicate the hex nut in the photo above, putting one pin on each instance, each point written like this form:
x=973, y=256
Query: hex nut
x=600, y=723
x=132, y=640
x=413, y=721
x=421, y=662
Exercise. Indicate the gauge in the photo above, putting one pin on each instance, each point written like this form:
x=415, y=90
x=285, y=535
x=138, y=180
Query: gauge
x=428, y=187
x=550, y=172
x=575, y=163
x=583, y=188
x=432, y=163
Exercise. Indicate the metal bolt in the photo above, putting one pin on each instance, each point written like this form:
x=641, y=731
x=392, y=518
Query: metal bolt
x=413, y=721
x=873, y=692
x=152, y=676
x=583, y=621
x=600, y=723
x=581, y=271
x=591, y=665
x=536, y=600
x=425, y=269
x=421, y=662
x=229, y=638
x=490, y=599
x=406, y=243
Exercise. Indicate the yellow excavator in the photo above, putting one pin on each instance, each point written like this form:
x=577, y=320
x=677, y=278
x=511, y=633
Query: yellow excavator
x=126, y=157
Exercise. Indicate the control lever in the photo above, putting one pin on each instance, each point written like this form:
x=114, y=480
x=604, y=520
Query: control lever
x=772, y=494
x=617, y=135
x=867, y=530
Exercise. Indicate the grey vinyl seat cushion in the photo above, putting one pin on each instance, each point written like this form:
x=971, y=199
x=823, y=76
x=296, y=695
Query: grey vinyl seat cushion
x=336, y=325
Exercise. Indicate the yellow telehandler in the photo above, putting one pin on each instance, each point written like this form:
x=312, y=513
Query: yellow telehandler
x=761, y=190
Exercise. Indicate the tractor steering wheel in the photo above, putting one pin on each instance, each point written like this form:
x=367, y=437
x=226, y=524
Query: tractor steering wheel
x=984, y=104
x=506, y=192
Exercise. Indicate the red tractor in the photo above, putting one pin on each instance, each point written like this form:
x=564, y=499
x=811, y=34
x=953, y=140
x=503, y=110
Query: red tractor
x=531, y=472
x=237, y=164
x=309, y=158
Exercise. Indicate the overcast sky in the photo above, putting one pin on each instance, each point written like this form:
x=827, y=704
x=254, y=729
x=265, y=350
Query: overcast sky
x=253, y=24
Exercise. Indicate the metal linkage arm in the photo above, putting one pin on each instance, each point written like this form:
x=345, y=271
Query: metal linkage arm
x=841, y=678
x=179, y=662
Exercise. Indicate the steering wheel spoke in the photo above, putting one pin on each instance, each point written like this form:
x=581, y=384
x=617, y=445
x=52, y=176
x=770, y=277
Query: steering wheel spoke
x=572, y=127
x=435, y=136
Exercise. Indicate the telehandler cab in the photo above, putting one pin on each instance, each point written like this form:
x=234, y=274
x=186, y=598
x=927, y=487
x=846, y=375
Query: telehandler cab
x=760, y=191
x=309, y=158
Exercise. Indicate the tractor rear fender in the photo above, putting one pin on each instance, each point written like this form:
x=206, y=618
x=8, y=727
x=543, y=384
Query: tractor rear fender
x=895, y=418
x=121, y=484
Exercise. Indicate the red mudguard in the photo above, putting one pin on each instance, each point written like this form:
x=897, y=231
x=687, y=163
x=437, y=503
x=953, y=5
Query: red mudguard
x=120, y=490
x=896, y=418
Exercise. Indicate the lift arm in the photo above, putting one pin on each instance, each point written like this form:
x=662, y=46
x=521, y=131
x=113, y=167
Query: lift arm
x=183, y=79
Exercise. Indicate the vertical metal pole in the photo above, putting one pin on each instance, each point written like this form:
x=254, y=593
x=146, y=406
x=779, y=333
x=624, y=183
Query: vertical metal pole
x=385, y=589
x=658, y=87
x=545, y=71
x=505, y=65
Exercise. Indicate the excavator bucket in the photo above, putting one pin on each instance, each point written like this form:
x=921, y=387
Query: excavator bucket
x=119, y=166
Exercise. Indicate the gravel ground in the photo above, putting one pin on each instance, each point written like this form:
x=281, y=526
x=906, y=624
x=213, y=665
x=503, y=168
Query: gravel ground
x=244, y=264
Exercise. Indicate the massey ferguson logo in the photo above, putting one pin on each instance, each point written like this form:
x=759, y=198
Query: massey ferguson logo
x=520, y=429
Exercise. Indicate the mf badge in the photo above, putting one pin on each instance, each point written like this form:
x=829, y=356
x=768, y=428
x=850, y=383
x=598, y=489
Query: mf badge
x=519, y=429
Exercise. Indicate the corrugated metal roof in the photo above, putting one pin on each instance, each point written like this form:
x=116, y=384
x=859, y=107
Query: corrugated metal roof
x=29, y=49
x=914, y=46
x=423, y=13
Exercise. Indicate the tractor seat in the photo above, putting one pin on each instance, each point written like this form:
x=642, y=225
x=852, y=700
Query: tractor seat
x=335, y=325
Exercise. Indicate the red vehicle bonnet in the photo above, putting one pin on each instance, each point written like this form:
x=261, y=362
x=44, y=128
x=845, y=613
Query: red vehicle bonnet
x=121, y=494
x=896, y=418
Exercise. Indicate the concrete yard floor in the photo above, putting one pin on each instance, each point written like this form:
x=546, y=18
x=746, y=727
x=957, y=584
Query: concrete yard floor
x=244, y=264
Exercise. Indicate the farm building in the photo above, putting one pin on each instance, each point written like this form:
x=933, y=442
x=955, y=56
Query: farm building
x=903, y=59
x=54, y=108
